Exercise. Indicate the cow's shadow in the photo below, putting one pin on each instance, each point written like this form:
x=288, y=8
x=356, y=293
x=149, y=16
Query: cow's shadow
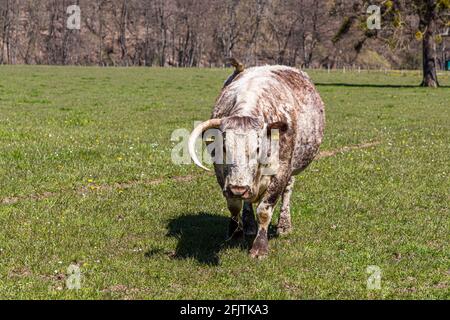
x=201, y=236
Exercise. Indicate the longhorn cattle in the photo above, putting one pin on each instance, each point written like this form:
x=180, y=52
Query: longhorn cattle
x=253, y=103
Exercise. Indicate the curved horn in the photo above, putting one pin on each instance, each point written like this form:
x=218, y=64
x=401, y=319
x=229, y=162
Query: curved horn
x=198, y=131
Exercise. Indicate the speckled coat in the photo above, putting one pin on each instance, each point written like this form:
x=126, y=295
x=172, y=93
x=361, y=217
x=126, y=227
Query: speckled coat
x=278, y=94
x=264, y=96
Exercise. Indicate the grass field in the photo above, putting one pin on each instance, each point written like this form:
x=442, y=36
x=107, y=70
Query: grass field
x=86, y=178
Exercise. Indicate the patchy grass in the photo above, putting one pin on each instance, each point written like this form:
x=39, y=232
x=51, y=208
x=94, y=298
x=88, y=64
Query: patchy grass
x=86, y=178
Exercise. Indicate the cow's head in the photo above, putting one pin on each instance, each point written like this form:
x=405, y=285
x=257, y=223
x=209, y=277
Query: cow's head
x=241, y=152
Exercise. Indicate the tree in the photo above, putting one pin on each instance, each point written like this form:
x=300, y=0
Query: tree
x=430, y=13
x=6, y=25
x=419, y=19
x=186, y=33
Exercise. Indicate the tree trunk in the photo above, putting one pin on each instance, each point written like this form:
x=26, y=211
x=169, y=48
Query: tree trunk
x=429, y=63
x=428, y=46
x=123, y=33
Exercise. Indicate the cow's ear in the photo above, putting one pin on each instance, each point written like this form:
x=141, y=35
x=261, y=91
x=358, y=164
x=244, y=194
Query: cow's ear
x=279, y=125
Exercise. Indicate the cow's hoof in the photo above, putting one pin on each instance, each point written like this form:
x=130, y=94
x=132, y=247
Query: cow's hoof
x=260, y=248
x=283, y=230
x=259, y=254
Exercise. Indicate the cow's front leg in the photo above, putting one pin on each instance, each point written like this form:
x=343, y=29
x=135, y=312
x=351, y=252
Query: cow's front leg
x=235, y=226
x=284, y=223
x=260, y=247
x=264, y=213
x=248, y=219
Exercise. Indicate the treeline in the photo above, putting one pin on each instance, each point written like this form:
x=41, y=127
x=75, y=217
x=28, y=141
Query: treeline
x=191, y=33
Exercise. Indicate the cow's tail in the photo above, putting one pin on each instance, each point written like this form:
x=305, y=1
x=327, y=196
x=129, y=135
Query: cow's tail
x=238, y=68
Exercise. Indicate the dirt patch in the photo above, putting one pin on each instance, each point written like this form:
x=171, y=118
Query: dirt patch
x=117, y=288
x=37, y=197
x=21, y=272
x=125, y=292
x=332, y=153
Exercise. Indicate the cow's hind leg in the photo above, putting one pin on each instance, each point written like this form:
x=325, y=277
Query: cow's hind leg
x=235, y=227
x=284, y=223
x=248, y=219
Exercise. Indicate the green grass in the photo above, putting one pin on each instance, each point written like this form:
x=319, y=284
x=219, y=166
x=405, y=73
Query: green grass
x=69, y=135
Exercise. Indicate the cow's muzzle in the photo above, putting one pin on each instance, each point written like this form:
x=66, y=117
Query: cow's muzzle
x=242, y=192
